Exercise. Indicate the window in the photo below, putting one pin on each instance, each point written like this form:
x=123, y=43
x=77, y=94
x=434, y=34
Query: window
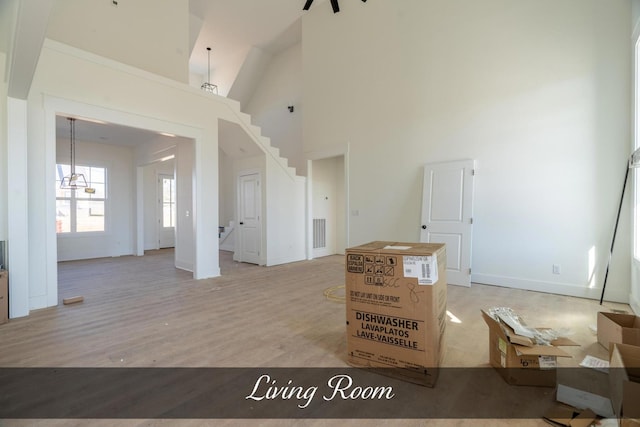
x=76, y=210
x=168, y=202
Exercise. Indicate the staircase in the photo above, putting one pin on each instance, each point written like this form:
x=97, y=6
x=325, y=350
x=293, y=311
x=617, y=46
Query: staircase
x=263, y=142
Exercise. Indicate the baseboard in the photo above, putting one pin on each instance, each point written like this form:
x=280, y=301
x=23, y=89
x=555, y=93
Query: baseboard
x=285, y=260
x=183, y=265
x=540, y=286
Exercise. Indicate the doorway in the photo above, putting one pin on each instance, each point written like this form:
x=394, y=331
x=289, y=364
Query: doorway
x=166, y=211
x=328, y=198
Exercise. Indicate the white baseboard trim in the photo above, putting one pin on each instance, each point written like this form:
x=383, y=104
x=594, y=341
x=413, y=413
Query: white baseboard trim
x=285, y=260
x=183, y=265
x=539, y=286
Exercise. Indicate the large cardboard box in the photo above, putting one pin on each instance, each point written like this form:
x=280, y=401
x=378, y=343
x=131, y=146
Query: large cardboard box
x=618, y=328
x=518, y=359
x=396, y=301
x=4, y=296
x=585, y=388
x=624, y=382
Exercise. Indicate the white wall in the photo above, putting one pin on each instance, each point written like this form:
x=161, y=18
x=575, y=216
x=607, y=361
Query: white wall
x=119, y=232
x=155, y=33
x=279, y=87
x=185, y=212
x=538, y=92
x=284, y=207
x=227, y=189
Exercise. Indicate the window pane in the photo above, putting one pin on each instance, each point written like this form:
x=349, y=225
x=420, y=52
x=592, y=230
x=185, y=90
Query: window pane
x=167, y=190
x=78, y=211
x=97, y=176
x=63, y=216
x=167, y=217
x=62, y=193
x=89, y=216
x=99, y=194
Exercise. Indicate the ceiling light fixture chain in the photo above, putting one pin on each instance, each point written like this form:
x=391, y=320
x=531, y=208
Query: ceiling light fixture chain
x=208, y=86
x=73, y=181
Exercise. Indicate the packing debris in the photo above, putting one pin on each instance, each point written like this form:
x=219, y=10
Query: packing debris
x=73, y=300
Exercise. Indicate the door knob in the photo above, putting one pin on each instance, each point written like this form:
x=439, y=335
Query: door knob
x=241, y=223
x=424, y=227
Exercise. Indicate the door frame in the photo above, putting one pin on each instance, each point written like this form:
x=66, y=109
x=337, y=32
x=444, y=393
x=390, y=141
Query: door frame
x=160, y=206
x=335, y=151
x=238, y=254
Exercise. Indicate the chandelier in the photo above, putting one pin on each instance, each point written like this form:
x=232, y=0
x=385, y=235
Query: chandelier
x=74, y=180
x=208, y=86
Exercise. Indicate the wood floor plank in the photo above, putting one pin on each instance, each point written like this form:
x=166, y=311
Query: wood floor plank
x=143, y=312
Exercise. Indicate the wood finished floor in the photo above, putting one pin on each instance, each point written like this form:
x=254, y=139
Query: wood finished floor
x=142, y=312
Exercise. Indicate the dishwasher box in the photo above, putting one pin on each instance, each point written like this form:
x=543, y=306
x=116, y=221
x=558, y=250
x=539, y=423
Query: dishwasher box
x=396, y=302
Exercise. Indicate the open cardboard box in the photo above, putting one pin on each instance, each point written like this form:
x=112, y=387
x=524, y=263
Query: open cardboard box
x=618, y=328
x=624, y=382
x=518, y=359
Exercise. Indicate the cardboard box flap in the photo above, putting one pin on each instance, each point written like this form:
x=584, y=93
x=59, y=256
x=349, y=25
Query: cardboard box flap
x=567, y=416
x=508, y=334
x=540, y=350
x=400, y=247
x=631, y=335
x=564, y=341
x=622, y=319
x=493, y=325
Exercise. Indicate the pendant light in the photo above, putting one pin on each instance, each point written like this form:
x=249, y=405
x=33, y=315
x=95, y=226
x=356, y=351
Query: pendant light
x=74, y=180
x=208, y=86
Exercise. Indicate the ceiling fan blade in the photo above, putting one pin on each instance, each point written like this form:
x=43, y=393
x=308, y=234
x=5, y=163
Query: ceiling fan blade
x=334, y=5
x=307, y=5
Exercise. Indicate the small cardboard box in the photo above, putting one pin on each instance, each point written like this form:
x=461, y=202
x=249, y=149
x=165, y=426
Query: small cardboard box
x=624, y=382
x=4, y=296
x=396, y=302
x=518, y=359
x=618, y=328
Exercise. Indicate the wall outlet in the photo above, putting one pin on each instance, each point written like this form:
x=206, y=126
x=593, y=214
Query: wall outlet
x=556, y=269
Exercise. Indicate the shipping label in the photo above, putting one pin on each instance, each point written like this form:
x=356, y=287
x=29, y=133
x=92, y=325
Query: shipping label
x=424, y=268
x=547, y=362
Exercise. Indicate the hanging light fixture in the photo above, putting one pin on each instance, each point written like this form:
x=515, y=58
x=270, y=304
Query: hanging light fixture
x=74, y=180
x=208, y=86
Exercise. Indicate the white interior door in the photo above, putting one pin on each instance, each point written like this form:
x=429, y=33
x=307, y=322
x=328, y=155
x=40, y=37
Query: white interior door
x=447, y=207
x=166, y=211
x=249, y=225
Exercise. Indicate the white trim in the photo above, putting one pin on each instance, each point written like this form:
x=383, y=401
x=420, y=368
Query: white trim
x=55, y=105
x=282, y=260
x=18, y=215
x=539, y=286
